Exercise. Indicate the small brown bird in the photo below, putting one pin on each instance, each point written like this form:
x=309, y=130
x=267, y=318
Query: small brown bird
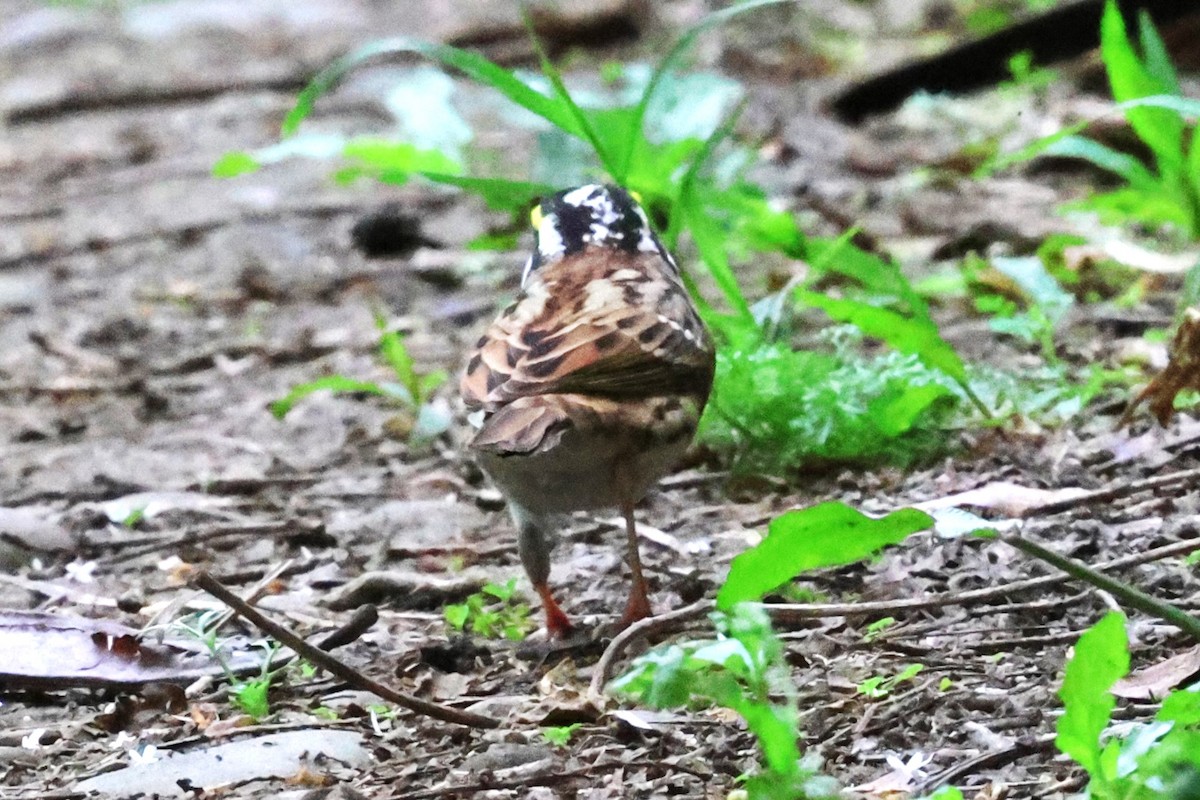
x=590, y=385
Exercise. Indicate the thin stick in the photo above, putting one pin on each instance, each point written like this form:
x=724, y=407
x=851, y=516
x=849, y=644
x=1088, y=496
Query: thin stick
x=333, y=665
x=1129, y=595
x=643, y=627
x=1113, y=492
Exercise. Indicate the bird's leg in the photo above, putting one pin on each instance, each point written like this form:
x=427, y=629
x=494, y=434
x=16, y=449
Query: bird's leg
x=535, y=556
x=638, y=606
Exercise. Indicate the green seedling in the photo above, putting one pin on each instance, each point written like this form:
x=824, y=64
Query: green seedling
x=1159, y=760
x=743, y=668
x=882, y=685
x=877, y=628
x=411, y=388
x=561, y=736
x=134, y=517
x=250, y=697
x=1146, y=87
x=492, y=613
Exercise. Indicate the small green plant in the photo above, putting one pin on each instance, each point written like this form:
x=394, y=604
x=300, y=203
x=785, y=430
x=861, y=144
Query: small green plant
x=1146, y=88
x=744, y=668
x=877, y=628
x=492, y=612
x=1158, y=760
x=250, y=696
x=411, y=388
x=134, y=517
x=880, y=686
x=561, y=736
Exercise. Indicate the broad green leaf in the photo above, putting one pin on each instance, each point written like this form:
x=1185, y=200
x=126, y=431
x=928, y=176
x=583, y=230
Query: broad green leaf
x=470, y=64
x=1161, y=130
x=874, y=273
x=825, y=535
x=896, y=415
x=1101, y=659
x=776, y=728
x=335, y=383
x=251, y=698
x=920, y=337
x=1155, y=56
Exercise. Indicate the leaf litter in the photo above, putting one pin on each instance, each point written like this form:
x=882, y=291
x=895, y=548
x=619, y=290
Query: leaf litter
x=197, y=422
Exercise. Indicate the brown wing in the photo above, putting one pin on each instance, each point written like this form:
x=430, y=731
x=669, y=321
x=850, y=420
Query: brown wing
x=627, y=333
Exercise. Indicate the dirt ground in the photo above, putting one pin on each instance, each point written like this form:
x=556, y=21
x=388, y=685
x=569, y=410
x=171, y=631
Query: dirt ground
x=149, y=312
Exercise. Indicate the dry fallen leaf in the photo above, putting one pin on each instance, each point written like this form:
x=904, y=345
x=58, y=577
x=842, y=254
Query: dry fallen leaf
x=1010, y=499
x=1156, y=680
x=1183, y=372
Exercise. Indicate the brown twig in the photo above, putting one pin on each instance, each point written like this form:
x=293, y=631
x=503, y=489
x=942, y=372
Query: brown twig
x=333, y=665
x=1129, y=595
x=1113, y=492
x=644, y=627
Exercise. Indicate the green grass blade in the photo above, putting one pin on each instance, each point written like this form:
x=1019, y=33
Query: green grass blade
x=1122, y=164
x=1003, y=161
x=673, y=57
x=826, y=535
x=919, y=337
x=706, y=232
x=1101, y=659
x=334, y=383
x=583, y=125
x=470, y=64
x=500, y=194
x=1161, y=130
x=1156, y=58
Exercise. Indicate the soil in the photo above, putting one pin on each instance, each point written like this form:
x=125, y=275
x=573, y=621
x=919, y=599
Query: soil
x=150, y=312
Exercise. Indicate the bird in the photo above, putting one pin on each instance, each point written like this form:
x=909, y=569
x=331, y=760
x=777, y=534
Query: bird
x=589, y=387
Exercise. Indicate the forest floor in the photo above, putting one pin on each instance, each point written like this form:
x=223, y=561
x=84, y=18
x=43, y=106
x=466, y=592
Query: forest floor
x=149, y=313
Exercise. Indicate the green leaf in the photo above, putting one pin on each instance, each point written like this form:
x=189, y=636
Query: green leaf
x=500, y=194
x=919, y=337
x=896, y=415
x=394, y=161
x=776, y=728
x=561, y=736
x=1161, y=130
x=1101, y=659
x=1122, y=164
x=334, y=383
x=470, y=64
x=235, y=163
x=251, y=698
x=1155, y=56
x=825, y=535
x=456, y=614
x=710, y=244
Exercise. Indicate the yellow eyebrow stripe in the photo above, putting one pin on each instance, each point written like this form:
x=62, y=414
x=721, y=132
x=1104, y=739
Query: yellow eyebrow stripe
x=535, y=216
